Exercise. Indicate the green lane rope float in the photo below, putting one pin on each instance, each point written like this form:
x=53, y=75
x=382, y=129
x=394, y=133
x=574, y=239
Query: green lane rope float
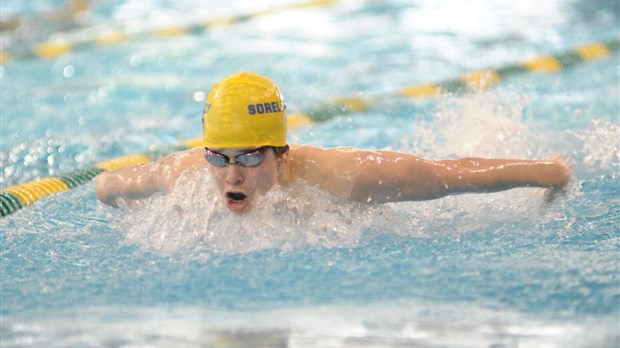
x=16, y=197
x=52, y=49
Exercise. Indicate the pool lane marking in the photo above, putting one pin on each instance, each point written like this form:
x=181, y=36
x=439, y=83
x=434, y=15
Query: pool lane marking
x=31, y=192
x=473, y=81
x=55, y=48
x=122, y=162
x=16, y=197
x=9, y=203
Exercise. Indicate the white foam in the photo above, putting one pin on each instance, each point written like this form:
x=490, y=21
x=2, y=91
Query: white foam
x=193, y=218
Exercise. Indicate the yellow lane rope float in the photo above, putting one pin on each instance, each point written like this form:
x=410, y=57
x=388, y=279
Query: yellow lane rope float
x=16, y=197
x=55, y=48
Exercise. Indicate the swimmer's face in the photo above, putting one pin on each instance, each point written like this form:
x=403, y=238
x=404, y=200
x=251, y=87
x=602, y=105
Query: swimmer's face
x=242, y=185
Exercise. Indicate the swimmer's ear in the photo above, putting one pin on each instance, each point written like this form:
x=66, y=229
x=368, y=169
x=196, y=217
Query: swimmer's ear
x=281, y=150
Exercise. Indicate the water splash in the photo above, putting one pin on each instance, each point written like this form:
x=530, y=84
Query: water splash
x=487, y=124
x=601, y=147
x=495, y=124
x=193, y=221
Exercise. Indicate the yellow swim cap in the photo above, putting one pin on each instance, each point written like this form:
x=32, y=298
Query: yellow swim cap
x=244, y=110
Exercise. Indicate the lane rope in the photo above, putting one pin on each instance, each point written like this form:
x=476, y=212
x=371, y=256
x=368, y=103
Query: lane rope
x=16, y=197
x=59, y=47
x=469, y=82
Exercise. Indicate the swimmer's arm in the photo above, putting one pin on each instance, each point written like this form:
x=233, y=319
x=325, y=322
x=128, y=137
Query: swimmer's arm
x=386, y=176
x=130, y=183
x=140, y=181
x=403, y=177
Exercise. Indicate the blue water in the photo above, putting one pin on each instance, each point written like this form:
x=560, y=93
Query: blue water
x=498, y=270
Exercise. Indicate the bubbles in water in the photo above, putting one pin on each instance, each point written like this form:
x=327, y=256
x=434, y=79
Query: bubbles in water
x=68, y=71
x=135, y=60
x=199, y=96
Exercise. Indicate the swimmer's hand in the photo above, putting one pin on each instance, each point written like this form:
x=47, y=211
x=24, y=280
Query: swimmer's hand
x=562, y=176
x=104, y=190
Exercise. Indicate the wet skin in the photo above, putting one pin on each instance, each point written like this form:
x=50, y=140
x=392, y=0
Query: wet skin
x=359, y=175
x=242, y=186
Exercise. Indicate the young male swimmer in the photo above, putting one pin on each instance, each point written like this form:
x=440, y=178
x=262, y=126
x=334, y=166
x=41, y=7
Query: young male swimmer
x=246, y=152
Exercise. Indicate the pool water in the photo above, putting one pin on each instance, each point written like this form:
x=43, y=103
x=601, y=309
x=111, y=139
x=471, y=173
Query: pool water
x=307, y=269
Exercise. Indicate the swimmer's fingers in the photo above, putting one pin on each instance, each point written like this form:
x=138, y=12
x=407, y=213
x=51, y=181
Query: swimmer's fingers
x=561, y=180
x=566, y=172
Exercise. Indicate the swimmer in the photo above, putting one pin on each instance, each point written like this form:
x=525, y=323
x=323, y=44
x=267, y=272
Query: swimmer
x=246, y=152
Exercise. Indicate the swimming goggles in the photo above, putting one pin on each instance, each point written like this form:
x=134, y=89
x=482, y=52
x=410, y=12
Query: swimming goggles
x=251, y=158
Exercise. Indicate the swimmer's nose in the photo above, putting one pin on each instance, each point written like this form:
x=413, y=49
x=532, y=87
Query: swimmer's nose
x=234, y=176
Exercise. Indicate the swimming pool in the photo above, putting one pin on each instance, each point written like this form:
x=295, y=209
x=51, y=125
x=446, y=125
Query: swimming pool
x=498, y=270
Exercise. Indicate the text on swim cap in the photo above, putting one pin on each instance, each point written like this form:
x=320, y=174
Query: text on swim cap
x=264, y=108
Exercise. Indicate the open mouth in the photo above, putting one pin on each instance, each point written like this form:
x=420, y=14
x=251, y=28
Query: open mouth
x=236, y=196
x=237, y=201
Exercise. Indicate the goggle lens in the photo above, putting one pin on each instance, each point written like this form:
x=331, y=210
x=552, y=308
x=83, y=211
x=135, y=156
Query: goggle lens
x=248, y=159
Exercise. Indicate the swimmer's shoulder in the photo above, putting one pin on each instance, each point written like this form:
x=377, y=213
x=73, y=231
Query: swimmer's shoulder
x=181, y=161
x=309, y=151
x=306, y=161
